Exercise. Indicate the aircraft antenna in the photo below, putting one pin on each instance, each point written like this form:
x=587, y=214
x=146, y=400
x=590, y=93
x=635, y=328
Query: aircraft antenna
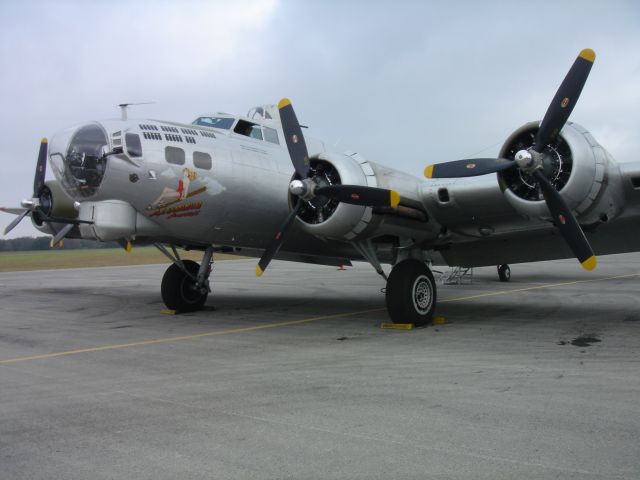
x=486, y=148
x=123, y=108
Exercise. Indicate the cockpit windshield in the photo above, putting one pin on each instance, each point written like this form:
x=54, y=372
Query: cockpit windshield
x=223, y=123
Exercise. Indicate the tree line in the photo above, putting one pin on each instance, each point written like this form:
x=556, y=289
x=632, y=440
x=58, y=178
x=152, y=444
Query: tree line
x=23, y=244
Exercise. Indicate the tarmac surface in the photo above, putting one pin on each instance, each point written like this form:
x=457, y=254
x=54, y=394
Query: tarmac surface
x=289, y=376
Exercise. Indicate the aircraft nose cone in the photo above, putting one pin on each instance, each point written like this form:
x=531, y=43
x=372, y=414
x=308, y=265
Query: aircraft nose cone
x=78, y=159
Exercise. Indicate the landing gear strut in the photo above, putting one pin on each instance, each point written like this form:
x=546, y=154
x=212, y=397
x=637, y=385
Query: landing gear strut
x=411, y=293
x=185, y=284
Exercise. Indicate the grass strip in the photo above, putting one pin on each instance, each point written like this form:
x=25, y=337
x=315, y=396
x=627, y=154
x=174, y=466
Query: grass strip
x=99, y=257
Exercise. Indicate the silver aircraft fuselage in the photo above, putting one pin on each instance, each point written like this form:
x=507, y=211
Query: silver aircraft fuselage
x=237, y=196
x=196, y=185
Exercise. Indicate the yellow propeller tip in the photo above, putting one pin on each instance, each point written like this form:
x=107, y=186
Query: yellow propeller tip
x=395, y=198
x=259, y=271
x=44, y=140
x=129, y=247
x=428, y=171
x=588, y=55
x=590, y=263
x=283, y=103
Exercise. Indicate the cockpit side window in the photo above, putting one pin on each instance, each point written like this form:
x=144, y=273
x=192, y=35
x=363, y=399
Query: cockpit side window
x=134, y=147
x=256, y=132
x=270, y=135
x=248, y=129
x=215, y=122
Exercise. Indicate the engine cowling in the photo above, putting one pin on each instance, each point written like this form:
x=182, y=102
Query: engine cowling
x=54, y=202
x=328, y=218
x=575, y=164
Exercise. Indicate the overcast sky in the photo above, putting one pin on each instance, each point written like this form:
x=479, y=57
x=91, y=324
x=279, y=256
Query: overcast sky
x=405, y=83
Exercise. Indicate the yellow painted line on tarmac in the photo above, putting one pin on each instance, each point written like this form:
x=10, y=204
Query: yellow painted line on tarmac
x=537, y=287
x=215, y=333
x=254, y=328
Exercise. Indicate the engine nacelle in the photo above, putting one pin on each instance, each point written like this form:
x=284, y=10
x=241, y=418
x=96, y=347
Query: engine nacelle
x=55, y=202
x=329, y=218
x=575, y=164
x=113, y=220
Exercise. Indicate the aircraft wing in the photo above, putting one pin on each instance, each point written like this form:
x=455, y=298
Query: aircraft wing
x=484, y=223
x=476, y=222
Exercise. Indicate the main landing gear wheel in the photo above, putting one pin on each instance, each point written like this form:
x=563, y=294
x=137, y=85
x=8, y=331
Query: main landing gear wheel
x=504, y=273
x=411, y=293
x=179, y=291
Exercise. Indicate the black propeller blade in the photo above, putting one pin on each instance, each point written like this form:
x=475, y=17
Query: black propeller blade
x=565, y=99
x=16, y=221
x=62, y=233
x=41, y=168
x=359, y=195
x=468, y=168
x=566, y=223
x=353, y=194
x=276, y=241
x=294, y=138
x=529, y=161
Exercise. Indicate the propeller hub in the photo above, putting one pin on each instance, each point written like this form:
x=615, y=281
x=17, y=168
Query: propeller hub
x=29, y=204
x=297, y=187
x=524, y=159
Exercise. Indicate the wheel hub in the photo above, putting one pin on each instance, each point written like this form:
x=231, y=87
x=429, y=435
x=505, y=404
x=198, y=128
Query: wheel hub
x=190, y=291
x=422, y=294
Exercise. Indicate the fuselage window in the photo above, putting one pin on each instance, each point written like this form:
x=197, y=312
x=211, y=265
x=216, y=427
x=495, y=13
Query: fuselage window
x=202, y=160
x=134, y=147
x=174, y=155
x=270, y=135
x=215, y=122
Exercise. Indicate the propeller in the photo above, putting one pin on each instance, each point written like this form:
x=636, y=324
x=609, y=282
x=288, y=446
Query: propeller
x=16, y=221
x=530, y=160
x=34, y=205
x=62, y=233
x=306, y=189
x=40, y=204
x=276, y=242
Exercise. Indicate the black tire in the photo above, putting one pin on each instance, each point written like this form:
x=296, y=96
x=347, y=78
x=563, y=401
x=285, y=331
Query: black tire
x=411, y=293
x=504, y=273
x=178, y=292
